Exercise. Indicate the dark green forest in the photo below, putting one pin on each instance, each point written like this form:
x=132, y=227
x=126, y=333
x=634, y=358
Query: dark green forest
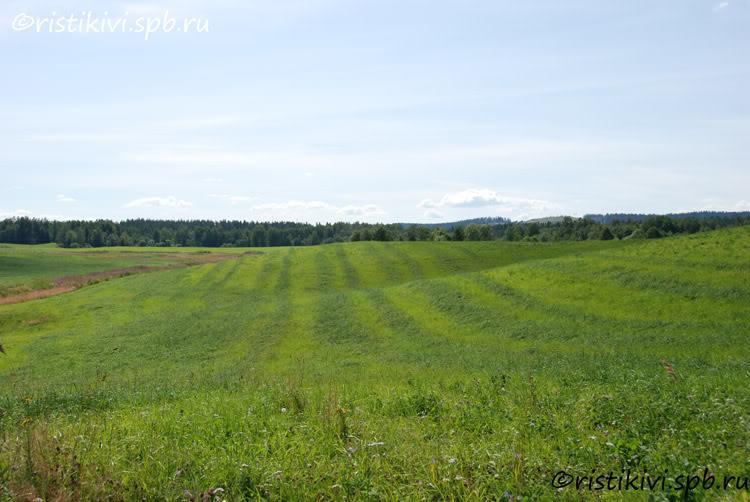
x=207, y=233
x=702, y=215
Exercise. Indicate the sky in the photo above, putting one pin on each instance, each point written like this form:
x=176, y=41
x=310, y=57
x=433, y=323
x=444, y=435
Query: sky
x=377, y=111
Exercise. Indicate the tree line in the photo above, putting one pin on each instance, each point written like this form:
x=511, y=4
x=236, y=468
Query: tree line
x=207, y=233
x=701, y=215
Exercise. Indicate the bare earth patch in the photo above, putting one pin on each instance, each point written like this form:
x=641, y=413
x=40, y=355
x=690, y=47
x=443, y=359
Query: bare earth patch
x=35, y=322
x=72, y=282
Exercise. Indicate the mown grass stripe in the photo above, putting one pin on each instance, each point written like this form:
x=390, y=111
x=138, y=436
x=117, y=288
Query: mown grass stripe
x=602, y=297
x=415, y=268
x=265, y=278
x=374, y=266
x=690, y=285
x=216, y=274
x=284, y=280
x=477, y=310
x=324, y=277
x=348, y=270
x=421, y=343
x=237, y=264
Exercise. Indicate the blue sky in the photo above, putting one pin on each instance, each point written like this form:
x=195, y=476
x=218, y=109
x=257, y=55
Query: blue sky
x=328, y=110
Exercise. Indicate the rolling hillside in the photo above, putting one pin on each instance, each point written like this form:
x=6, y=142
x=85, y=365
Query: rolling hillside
x=379, y=371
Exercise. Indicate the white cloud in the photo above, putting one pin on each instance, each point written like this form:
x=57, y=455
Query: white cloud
x=721, y=205
x=300, y=208
x=292, y=205
x=213, y=180
x=170, y=202
x=63, y=198
x=233, y=199
x=517, y=207
x=316, y=204
x=479, y=197
x=473, y=198
x=433, y=214
x=367, y=210
x=4, y=213
x=722, y=5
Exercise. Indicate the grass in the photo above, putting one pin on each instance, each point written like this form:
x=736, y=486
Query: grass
x=31, y=272
x=379, y=371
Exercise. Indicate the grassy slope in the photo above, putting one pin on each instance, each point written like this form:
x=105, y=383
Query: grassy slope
x=25, y=264
x=457, y=356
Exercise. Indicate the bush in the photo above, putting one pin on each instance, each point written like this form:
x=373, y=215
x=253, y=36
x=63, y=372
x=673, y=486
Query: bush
x=638, y=234
x=607, y=234
x=653, y=233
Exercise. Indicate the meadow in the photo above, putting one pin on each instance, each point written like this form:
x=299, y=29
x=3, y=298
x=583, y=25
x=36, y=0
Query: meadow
x=379, y=371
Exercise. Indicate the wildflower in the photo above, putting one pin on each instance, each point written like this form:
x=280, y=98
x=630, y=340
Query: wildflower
x=459, y=477
x=283, y=410
x=451, y=460
x=26, y=421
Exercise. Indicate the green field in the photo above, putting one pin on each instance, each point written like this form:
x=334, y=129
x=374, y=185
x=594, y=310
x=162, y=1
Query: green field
x=379, y=371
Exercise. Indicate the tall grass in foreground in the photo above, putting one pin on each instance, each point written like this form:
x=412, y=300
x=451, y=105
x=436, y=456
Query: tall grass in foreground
x=480, y=438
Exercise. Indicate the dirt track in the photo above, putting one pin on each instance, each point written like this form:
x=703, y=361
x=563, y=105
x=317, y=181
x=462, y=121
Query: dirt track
x=70, y=283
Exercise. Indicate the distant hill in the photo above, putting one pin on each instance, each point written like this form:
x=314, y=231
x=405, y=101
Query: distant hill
x=496, y=220
x=599, y=218
x=549, y=219
x=607, y=218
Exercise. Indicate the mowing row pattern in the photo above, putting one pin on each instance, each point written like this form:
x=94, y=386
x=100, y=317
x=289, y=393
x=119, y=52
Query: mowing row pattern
x=384, y=371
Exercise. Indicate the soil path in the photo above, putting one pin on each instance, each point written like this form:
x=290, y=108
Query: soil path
x=72, y=282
